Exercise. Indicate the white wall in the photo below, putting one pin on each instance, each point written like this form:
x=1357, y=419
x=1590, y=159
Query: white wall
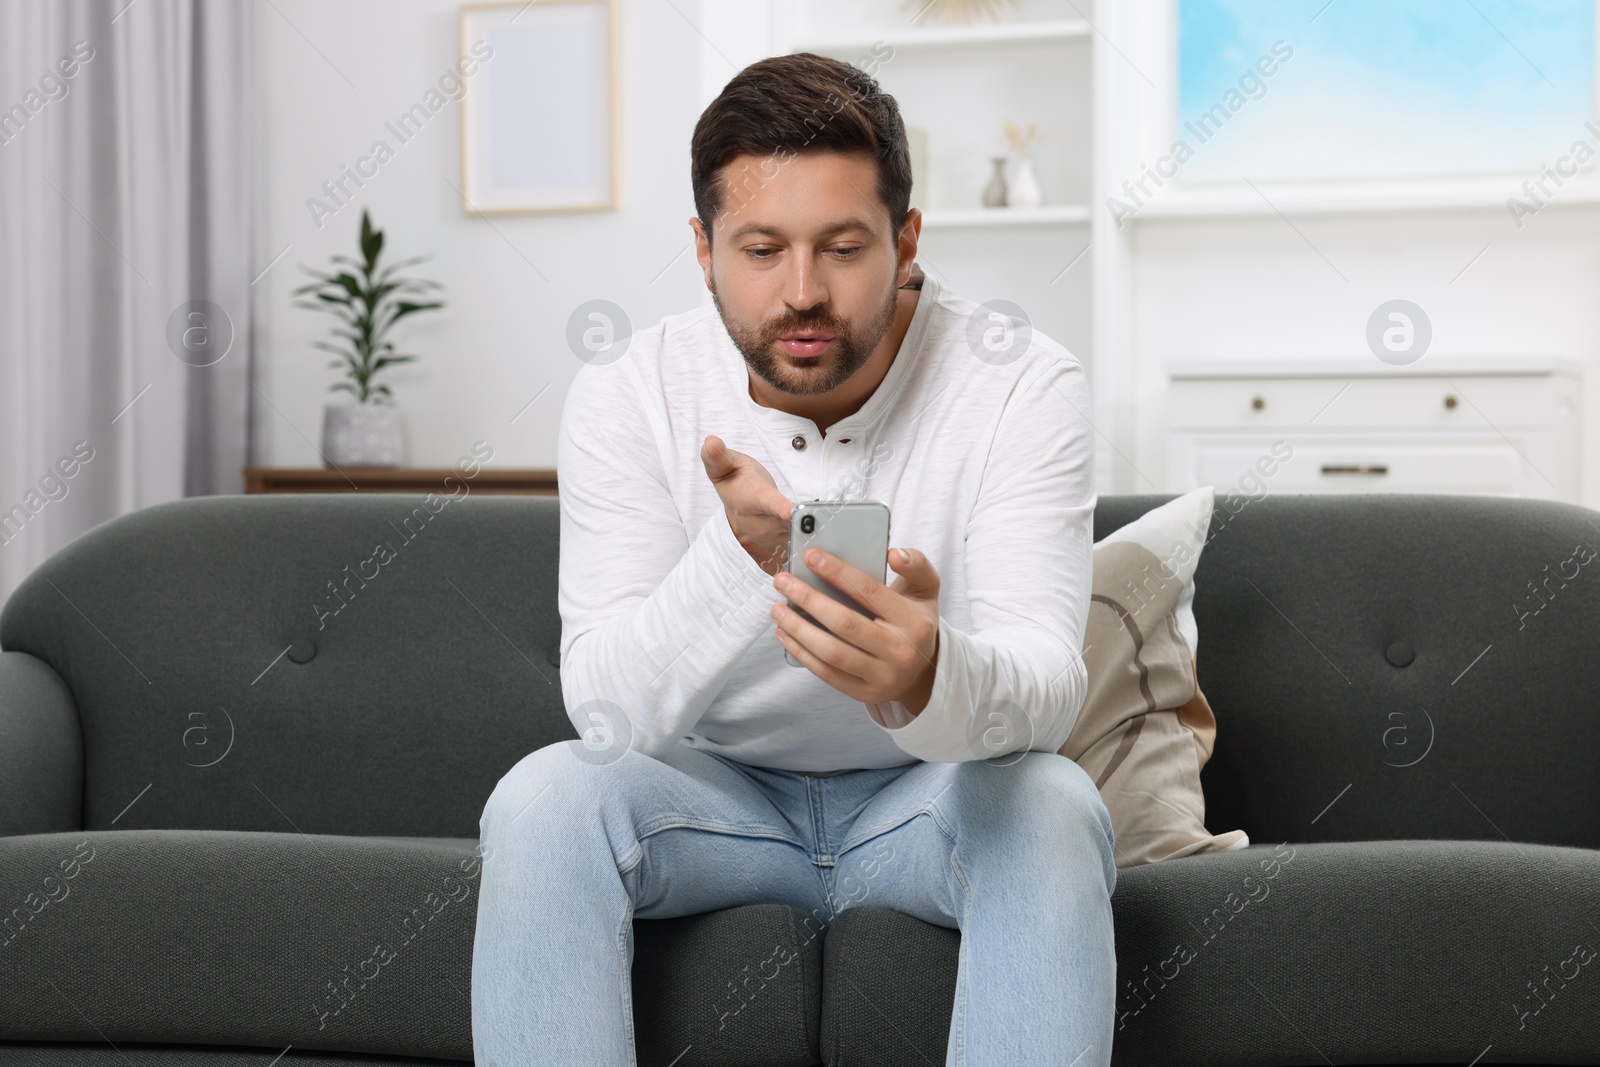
x=335, y=73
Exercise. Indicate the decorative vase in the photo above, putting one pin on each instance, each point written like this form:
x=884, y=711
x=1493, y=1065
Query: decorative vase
x=361, y=435
x=1025, y=191
x=994, y=194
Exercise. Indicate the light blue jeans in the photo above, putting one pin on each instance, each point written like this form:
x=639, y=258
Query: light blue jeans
x=1015, y=851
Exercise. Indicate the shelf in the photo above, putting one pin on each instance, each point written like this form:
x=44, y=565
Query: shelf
x=1363, y=367
x=941, y=218
x=1238, y=200
x=534, y=482
x=997, y=33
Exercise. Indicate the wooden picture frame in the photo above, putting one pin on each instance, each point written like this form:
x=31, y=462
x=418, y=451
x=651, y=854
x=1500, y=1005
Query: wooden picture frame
x=539, y=129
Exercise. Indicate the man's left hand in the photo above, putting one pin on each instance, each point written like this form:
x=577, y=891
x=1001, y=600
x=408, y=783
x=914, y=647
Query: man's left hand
x=873, y=660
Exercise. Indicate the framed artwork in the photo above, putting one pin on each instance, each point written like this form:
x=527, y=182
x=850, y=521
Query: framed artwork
x=539, y=127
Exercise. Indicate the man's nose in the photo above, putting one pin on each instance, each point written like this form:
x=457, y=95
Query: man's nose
x=805, y=289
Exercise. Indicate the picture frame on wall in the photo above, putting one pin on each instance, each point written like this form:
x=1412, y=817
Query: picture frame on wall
x=539, y=130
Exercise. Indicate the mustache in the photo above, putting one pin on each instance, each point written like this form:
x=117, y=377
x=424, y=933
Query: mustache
x=827, y=325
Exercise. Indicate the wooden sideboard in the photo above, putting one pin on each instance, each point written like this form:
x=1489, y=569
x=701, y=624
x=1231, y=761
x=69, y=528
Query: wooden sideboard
x=530, y=482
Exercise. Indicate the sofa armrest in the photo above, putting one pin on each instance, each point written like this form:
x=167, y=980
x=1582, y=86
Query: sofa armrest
x=41, y=750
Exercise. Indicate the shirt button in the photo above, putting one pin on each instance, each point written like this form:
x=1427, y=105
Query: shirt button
x=799, y=442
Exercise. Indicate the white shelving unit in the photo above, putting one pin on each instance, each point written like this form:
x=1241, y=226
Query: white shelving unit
x=1044, y=215
x=960, y=83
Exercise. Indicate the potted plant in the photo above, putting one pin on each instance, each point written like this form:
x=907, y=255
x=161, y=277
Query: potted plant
x=367, y=300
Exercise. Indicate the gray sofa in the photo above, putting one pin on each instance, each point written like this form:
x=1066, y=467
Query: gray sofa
x=238, y=810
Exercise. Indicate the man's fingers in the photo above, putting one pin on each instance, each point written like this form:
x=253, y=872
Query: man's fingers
x=847, y=624
x=718, y=459
x=723, y=463
x=776, y=502
x=860, y=586
x=845, y=658
x=899, y=618
x=918, y=578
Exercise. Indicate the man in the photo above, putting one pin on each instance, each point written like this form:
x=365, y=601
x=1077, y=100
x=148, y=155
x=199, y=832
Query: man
x=912, y=762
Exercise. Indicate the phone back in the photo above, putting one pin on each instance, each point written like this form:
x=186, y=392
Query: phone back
x=856, y=531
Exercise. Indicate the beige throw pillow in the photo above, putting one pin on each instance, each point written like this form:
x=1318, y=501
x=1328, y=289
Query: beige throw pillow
x=1146, y=729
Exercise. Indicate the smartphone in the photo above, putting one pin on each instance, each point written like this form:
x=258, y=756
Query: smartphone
x=855, y=531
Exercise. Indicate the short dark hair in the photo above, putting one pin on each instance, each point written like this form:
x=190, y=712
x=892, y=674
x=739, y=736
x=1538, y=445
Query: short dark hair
x=803, y=102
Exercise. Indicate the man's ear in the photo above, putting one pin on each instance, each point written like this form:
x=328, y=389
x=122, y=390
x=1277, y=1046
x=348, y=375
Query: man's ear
x=906, y=243
x=702, y=250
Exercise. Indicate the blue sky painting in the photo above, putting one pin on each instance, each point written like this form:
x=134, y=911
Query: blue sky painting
x=1382, y=88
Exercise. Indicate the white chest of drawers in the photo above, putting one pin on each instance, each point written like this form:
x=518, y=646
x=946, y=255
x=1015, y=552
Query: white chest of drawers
x=1502, y=427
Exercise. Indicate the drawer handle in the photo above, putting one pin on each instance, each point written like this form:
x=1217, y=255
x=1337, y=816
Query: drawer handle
x=1450, y=402
x=1258, y=402
x=1355, y=468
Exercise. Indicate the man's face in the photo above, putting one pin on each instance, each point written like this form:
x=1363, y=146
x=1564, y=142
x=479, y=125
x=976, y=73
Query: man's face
x=802, y=248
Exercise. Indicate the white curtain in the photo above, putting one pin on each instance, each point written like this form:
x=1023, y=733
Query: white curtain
x=130, y=141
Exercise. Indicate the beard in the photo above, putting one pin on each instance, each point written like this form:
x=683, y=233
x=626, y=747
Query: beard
x=849, y=351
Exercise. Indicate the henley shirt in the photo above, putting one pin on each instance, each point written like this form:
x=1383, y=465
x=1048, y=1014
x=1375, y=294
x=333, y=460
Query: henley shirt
x=977, y=439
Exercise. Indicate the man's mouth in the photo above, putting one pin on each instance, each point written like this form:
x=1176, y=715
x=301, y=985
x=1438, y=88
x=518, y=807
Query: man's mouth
x=806, y=345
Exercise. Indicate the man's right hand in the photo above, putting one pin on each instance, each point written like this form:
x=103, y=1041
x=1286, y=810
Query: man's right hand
x=757, y=512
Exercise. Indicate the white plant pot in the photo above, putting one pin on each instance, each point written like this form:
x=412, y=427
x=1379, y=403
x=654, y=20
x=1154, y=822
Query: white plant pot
x=1025, y=191
x=361, y=435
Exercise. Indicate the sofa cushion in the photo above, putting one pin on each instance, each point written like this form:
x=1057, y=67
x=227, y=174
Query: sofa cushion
x=1145, y=730
x=240, y=939
x=1384, y=669
x=1377, y=952
x=731, y=988
x=888, y=988
x=233, y=669
x=341, y=944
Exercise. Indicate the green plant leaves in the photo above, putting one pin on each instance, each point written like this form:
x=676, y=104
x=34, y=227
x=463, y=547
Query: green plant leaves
x=371, y=241
x=367, y=301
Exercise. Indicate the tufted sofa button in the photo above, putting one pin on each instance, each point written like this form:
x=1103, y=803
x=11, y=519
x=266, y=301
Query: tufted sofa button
x=303, y=650
x=1400, y=653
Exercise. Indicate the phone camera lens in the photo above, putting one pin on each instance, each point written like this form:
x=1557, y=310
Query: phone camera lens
x=808, y=523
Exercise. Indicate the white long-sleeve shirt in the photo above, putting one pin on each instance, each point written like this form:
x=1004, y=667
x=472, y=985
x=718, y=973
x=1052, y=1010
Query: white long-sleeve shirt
x=987, y=466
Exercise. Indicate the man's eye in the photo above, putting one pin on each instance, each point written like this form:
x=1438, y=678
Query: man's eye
x=768, y=253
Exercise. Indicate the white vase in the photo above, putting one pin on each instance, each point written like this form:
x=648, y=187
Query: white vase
x=361, y=435
x=1025, y=191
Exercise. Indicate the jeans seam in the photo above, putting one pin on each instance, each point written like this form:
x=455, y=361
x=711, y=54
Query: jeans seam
x=960, y=1023
x=623, y=933
x=961, y=876
x=819, y=819
x=927, y=808
x=679, y=822
x=939, y=820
